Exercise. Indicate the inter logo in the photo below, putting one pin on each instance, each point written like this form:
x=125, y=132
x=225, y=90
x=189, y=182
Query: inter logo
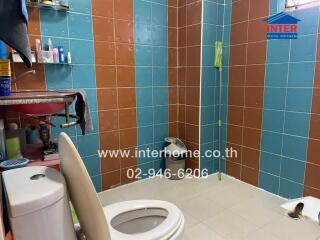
x=282, y=26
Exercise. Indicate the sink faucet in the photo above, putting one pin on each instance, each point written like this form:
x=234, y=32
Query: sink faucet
x=22, y=75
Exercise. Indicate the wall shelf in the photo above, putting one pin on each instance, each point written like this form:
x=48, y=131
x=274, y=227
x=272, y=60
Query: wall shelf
x=56, y=7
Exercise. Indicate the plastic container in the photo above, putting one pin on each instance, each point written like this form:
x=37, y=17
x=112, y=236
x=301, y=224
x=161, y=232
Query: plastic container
x=55, y=55
x=176, y=152
x=61, y=55
x=38, y=205
x=5, y=78
x=47, y=56
x=3, y=50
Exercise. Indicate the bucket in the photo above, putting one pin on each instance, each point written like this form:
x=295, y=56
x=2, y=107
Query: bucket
x=5, y=78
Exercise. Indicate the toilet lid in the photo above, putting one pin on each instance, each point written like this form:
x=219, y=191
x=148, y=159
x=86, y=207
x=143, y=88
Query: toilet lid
x=163, y=231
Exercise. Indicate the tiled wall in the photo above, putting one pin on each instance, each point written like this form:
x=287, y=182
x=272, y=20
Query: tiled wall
x=189, y=57
x=141, y=63
x=212, y=30
x=151, y=54
x=120, y=58
x=113, y=28
x=272, y=116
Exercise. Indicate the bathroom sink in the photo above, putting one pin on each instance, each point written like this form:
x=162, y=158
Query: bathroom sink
x=38, y=103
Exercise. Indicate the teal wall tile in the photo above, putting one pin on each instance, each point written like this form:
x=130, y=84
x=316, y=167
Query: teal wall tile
x=142, y=11
x=278, y=51
x=82, y=51
x=299, y=52
x=145, y=135
x=54, y=23
x=143, y=76
x=309, y=22
x=292, y=170
x=97, y=182
x=301, y=74
x=299, y=99
x=88, y=144
x=58, y=77
x=294, y=147
x=145, y=116
x=297, y=124
x=289, y=189
x=273, y=120
x=269, y=182
x=92, y=164
x=144, y=96
x=85, y=31
x=274, y=98
x=271, y=142
x=84, y=76
x=270, y=163
x=276, y=75
x=80, y=6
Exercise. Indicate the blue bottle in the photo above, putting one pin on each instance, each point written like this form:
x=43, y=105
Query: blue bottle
x=5, y=78
x=61, y=55
x=3, y=50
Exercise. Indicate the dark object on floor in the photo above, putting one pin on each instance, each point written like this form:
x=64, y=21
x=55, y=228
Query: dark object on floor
x=319, y=218
x=13, y=27
x=296, y=214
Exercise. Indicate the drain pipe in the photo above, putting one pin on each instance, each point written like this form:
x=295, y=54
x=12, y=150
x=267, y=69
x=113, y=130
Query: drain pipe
x=220, y=95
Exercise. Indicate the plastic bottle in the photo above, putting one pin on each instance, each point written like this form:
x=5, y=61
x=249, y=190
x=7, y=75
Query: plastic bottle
x=61, y=55
x=55, y=55
x=5, y=78
x=3, y=50
x=69, y=58
x=50, y=46
x=39, y=51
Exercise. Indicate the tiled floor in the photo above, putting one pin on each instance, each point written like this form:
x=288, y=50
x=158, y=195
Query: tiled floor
x=229, y=210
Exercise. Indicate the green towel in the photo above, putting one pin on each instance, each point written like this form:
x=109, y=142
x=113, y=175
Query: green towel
x=218, y=55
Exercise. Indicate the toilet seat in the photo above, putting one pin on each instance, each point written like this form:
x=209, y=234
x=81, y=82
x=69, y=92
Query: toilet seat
x=165, y=230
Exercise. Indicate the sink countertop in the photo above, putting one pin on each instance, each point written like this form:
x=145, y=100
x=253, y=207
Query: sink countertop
x=35, y=97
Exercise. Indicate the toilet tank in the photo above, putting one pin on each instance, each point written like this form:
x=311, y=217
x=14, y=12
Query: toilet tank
x=38, y=205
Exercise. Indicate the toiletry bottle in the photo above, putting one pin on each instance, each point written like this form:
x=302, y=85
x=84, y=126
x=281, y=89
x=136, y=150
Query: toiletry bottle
x=69, y=58
x=39, y=51
x=50, y=46
x=5, y=78
x=55, y=55
x=61, y=54
x=3, y=50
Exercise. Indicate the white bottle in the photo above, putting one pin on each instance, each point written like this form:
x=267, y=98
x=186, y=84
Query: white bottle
x=69, y=58
x=50, y=46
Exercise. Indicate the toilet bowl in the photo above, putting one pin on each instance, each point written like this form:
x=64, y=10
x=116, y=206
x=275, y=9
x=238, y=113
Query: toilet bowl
x=144, y=220
x=129, y=220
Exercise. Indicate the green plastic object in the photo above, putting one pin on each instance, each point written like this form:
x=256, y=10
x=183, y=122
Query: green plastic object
x=13, y=148
x=218, y=55
x=74, y=216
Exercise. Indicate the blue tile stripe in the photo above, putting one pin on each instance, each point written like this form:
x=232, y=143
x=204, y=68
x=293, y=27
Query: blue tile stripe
x=151, y=54
x=213, y=20
x=288, y=93
x=63, y=29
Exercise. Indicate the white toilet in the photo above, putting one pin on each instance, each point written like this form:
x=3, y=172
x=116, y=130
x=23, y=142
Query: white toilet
x=129, y=220
x=144, y=220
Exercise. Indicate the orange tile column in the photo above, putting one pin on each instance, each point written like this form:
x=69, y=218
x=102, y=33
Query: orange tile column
x=246, y=86
x=115, y=75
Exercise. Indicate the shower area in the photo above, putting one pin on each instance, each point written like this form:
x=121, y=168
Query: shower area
x=264, y=103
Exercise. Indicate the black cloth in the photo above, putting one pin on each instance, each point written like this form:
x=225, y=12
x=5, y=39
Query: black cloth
x=13, y=28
